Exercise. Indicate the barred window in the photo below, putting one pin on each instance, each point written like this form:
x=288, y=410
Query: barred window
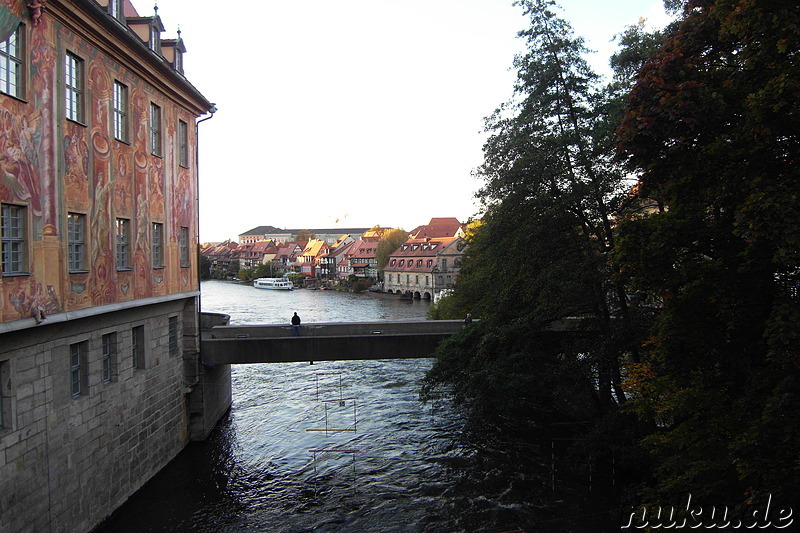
x=109, y=357
x=137, y=347
x=77, y=369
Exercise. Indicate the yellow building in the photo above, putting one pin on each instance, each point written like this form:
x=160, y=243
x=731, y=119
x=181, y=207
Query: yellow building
x=99, y=285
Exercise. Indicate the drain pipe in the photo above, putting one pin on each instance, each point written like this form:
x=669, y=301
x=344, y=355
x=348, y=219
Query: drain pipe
x=212, y=110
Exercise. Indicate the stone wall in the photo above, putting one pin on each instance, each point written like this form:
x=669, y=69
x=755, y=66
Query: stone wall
x=68, y=459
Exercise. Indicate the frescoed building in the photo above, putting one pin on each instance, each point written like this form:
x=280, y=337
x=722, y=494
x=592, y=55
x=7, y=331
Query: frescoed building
x=99, y=285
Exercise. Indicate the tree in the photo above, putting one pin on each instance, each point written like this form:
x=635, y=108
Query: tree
x=711, y=128
x=551, y=187
x=390, y=241
x=304, y=235
x=233, y=267
x=205, y=267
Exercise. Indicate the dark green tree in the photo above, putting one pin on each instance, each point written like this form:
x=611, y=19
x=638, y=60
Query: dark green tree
x=205, y=267
x=711, y=128
x=551, y=189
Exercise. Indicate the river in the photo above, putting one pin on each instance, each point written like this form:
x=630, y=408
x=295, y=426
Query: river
x=387, y=461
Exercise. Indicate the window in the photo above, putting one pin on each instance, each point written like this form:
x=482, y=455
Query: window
x=155, y=39
x=76, y=231
x=444, y=264
x=120, y=103
x=73, y=87
x=77, y=369
x=173, y=335
x=158, y=244
x=12, y=231
x=185, y=247
x=183, y=144
x=137, y=347
x=155, y=130
x=419, y=263
x=123, y=243
x=115, y=9
x=109, y=357
x=11, y=63
x=5, y=395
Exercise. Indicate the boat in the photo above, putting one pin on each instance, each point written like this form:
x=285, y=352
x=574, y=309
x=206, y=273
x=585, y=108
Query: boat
x=275, y=284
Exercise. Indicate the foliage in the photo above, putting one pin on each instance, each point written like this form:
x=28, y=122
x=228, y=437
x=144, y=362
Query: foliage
x=233, y=267
x=304, y=235
x=551, y=186
x=205, y=267
x=711, y=126
x=265, y=270
x=390, y=241
x=446, y=308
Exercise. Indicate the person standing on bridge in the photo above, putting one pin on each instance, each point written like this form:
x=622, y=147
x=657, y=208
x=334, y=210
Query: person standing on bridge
x=296, y=324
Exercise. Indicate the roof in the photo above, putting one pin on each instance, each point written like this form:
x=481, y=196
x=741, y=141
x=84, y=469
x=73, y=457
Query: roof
x=363, y=248
x=264, y=246
x=422, y=247
x=264, y=230
x=314, y=247
x=439, y=227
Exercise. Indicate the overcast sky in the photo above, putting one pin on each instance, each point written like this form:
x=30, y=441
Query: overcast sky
x=351, y=113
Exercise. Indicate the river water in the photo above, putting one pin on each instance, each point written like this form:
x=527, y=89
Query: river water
x=387, y=462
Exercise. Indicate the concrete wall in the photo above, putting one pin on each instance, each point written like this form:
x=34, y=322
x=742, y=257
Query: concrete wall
x=326, y=341
x=66, y=461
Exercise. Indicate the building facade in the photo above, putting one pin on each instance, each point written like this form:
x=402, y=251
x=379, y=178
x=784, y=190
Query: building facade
x=423, y=268
x=99, y=328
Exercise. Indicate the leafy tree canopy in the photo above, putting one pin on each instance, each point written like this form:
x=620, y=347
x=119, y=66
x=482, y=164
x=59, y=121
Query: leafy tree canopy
x=711, y=127
x=389, y=242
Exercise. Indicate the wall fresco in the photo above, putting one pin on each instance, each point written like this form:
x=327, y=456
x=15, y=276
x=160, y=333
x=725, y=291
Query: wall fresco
x=53, y=166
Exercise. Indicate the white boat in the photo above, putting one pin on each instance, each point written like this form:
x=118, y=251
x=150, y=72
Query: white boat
x=276, y=284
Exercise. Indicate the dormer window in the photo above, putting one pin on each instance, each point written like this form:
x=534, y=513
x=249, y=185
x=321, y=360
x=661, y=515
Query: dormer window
x=155, y=39
x=115, y=9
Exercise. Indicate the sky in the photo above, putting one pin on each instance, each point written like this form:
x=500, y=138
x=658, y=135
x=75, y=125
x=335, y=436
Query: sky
x=355, y=113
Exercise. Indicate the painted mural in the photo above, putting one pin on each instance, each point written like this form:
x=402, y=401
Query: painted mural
x=54, y=166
